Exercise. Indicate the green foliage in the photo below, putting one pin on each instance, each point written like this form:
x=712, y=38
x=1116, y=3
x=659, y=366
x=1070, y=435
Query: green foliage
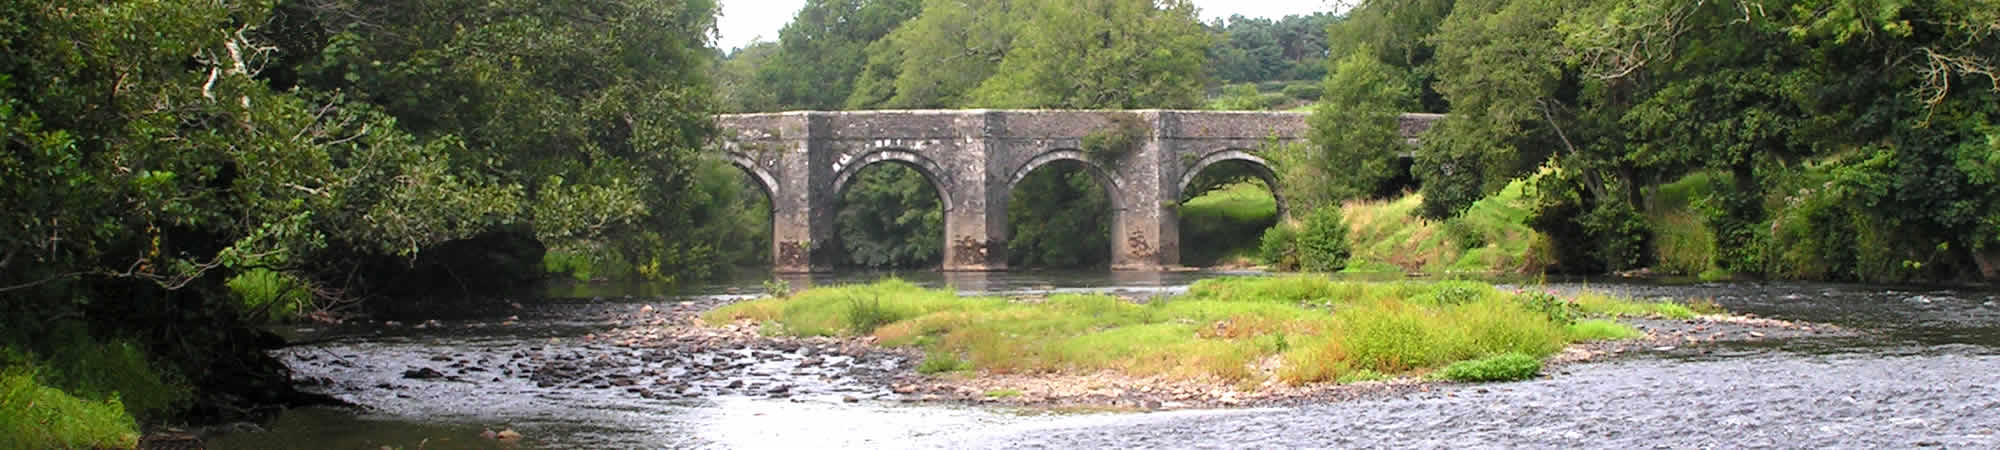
x=1556, y=309
x=1682, y=240
x=1279, y=247
x=154, y=151
x=1308, y=92
x=270, y=296
x=1508, y=367
x=1100, y=54
x=1124, y=135
x=1220, y=329
x=1059, y=216
x=1255, y=49
x=33, y=415
x=1887, y=102
x=1323, y=243
x=1356, y=132
x=737, y=87
x=822, y=52
x=66, y=356
x=937, y=58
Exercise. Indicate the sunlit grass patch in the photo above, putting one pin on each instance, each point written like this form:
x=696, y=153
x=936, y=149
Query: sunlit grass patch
x=1492, y=235
x=1221, y=225
x=33, y=415
x=1229, y=330
x=1601, y=330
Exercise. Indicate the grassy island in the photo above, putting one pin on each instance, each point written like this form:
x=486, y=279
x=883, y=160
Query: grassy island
x=1300, y=329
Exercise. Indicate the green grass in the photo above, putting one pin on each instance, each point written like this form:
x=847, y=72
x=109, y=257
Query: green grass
x=1508, y=367
x=1319, y=330
x=66, y=356
x=1491, y=237
x=1224, y=224
x=34, y=415
x=1601, y=330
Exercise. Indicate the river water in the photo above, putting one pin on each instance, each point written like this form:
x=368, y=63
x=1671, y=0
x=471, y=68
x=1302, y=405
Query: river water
x=1924, y=371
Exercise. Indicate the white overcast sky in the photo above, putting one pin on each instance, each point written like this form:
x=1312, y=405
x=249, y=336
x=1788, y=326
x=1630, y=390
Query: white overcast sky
x=744, y=20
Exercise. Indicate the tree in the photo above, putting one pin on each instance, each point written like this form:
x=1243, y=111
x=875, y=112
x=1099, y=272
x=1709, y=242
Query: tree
x=574, y=102
x=154, y=150
x=938, y=57
x=1356, y=133
x=1114, y=54
x=736, y=83
x=822, y=51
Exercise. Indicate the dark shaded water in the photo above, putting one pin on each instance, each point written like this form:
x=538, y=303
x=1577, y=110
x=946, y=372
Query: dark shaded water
x=1925, y=371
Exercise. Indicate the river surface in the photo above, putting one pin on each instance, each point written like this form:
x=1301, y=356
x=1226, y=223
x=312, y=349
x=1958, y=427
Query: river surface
x=1924, y=371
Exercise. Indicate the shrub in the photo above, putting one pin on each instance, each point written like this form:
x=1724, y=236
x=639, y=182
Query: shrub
x=1279, y=247
x=1508, y=367
x=1557, y=309
x=1305, y=91
x=940, y=362
x=270, y=296
x=1322, y=243
x=864, y=315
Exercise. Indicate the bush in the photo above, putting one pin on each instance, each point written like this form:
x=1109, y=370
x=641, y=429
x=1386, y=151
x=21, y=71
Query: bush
x=1555, y=308
x=1279, y=247
x=1322, y=243
x=1508, y=367
x=864, y=315
x=936, y=362
x=270, y=296
x=1305, y=91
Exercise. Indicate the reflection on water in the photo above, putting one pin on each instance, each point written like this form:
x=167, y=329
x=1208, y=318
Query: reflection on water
x=1925, y=324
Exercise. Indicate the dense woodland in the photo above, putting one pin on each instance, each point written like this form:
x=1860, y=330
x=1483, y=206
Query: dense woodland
x=177, y=172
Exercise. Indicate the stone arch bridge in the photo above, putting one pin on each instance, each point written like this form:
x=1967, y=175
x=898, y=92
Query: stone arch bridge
x=804, y=160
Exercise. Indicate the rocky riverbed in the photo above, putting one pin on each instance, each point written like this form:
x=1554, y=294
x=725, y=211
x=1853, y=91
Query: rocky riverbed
x=663, y=352
x=578, y=374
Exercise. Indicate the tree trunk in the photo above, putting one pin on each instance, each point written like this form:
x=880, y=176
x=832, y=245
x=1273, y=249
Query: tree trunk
x=1989, y=263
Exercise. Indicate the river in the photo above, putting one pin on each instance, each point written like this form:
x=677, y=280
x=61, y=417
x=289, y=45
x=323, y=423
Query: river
x=1924, y=371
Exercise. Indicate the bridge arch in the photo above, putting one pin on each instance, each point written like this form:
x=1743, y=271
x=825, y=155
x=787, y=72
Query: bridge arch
x=1114, y=187
x=931, y=171
x=1258, y=166
x=766, y=182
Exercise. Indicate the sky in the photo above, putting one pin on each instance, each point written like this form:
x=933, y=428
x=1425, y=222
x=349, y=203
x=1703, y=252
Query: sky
x=744, y=20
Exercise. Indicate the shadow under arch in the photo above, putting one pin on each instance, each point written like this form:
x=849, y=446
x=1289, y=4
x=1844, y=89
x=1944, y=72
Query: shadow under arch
x=1113, y=212
x=1258, y=165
